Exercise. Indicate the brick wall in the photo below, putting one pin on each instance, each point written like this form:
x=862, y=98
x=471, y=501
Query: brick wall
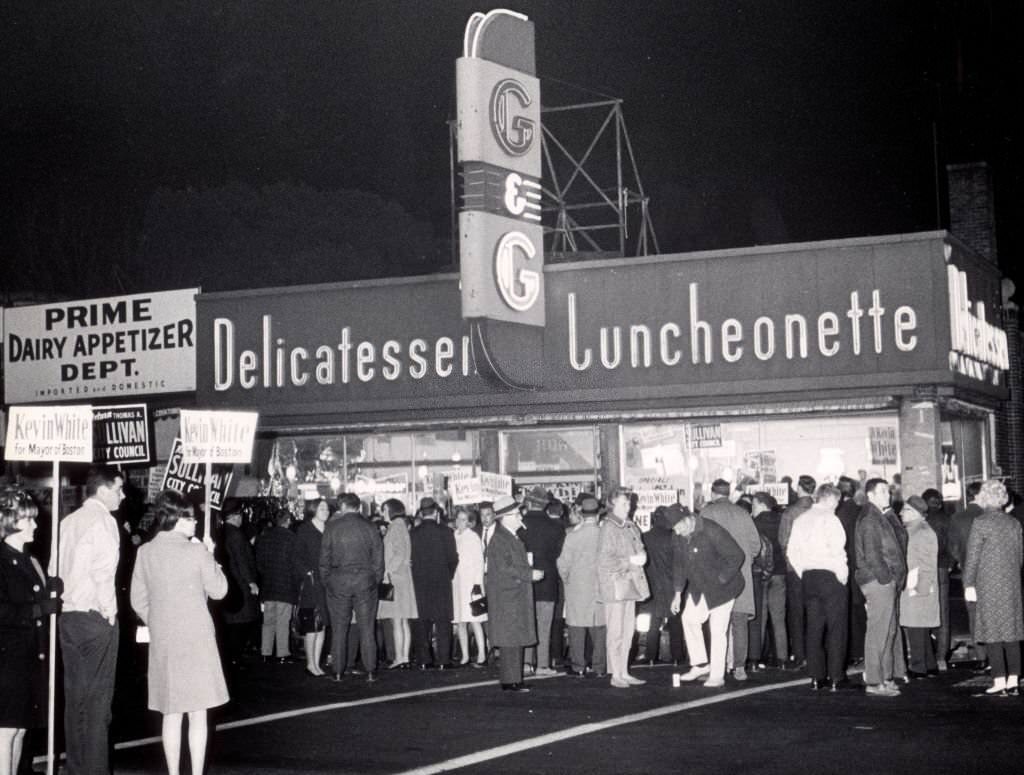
x=971, y=208
x=1010, y=417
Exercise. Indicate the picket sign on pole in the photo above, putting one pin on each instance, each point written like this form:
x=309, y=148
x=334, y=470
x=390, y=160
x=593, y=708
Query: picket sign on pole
x=216, y=437
x=51, y=434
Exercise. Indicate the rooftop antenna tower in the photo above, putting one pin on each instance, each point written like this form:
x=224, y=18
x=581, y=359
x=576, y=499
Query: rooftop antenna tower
x=595, y=205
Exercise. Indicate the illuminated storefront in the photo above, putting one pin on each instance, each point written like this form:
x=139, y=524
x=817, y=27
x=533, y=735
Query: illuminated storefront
x=877, y=355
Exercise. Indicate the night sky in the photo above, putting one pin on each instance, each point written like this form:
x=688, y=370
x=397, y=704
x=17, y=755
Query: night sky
x=157, y=145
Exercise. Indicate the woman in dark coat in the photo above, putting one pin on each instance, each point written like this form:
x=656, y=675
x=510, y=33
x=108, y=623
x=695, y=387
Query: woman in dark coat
x=312, y=599
x=25, y=606
x=658, y=542
x=174, y=576
x=508, y=581
x=991, y=576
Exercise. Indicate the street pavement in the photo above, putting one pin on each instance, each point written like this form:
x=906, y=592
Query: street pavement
x=281, y=720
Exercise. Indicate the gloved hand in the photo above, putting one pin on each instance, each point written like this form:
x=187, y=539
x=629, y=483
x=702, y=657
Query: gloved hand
x=46, y=607
x=971, y=594
x=55, y=585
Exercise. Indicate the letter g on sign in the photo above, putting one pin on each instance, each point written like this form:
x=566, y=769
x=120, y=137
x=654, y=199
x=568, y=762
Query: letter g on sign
x=518, y=286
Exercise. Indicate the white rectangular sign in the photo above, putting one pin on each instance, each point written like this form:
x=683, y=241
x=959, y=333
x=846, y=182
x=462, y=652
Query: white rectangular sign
x=217, y=437
x=473, y=489
x=48, y=433
x=114, y=346
x=647, y=501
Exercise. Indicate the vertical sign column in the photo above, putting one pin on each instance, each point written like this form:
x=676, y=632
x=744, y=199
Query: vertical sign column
x=501, y=247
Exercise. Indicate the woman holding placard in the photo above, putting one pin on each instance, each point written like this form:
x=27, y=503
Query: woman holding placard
x=174, y=576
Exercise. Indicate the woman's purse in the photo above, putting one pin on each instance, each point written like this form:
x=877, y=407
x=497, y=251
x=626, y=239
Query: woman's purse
x=478, y=604
x=385, y=591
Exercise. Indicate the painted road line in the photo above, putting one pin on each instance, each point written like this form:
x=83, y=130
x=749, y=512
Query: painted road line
x=586, y=729
x=297, y=712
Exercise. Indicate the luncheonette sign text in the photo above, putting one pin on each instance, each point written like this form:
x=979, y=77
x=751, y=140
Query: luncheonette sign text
x=217, y=437
x=49, y=433
x=122, y=345
x=978, y=348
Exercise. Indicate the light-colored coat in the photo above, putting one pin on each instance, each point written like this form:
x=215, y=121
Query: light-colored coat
x=739, y=524
x=577, y=565
x=921, y=609
x=992, y=566
x=398, y=572
x=618, y=542
x=172, y=580
x=468, y=574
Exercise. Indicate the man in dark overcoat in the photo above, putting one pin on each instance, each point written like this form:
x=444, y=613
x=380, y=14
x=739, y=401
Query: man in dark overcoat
x=434, y=560
x=509, y=582
x=543, y=539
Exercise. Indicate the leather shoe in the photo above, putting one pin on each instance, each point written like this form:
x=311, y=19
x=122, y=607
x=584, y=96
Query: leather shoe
x=516, y=687
x=371, y=677
x=816, y=684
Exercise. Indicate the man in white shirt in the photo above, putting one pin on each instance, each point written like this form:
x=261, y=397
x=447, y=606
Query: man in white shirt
x=87, y=558
x=817, y=553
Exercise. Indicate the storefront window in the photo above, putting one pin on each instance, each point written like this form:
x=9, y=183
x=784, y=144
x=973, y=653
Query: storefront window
x=376, y=467
x=963, y=455
x=684, y=458
x=564, y=461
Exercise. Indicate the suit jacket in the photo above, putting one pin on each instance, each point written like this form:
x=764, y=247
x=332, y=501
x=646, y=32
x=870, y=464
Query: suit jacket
x=434, y=560
x=509, y=581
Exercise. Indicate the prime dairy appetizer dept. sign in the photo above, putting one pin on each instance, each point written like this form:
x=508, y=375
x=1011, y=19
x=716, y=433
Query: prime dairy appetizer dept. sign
x=120, y=345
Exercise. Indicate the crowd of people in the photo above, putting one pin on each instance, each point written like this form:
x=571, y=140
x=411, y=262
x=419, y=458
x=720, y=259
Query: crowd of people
x=844, y=578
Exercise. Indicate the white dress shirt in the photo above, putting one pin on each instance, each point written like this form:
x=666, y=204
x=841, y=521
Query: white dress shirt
x=89, y=550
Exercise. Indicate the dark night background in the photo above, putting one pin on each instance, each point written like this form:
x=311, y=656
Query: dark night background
x=241, y=144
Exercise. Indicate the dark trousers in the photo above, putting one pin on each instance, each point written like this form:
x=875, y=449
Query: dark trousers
x=675, y=638
x=857, y=622
x=88, y=645
x=979, y=648
x=825, y=599
x=422, y=630
x=755, y=626
x=1004, y=658
x=558, y=637
x=922, y=655
x=795, y=616
x=578, y=642
x=510, y=669
x=340, y=605
x=941, y=632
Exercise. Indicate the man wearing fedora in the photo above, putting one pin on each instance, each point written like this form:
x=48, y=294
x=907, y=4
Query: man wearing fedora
x=584, y=613
x=509, y=582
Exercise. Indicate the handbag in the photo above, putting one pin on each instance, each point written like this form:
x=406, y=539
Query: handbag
x=385, y=591
x=625, y=588
x=478, y=607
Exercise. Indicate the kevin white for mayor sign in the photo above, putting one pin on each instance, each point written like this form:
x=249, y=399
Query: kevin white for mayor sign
x=217, y=437
x=120, y=345
x=48, y=433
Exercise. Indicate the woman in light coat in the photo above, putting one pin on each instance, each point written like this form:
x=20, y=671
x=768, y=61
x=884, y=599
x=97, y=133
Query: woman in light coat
x=173, y=578
x=466, y=586
x=398, y=573
x=991, y=576
x=621, y=584
x=919, y=601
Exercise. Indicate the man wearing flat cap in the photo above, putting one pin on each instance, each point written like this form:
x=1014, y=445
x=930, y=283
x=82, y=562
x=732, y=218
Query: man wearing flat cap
x=509, y=583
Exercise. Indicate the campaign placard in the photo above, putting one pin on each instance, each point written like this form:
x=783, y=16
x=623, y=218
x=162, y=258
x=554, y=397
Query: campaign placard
x=189, y=478
x=649, y=500
x=884, y=447
x=49, y=433
x=778, y=490
x=121, y=434
x=217, y=437
x=705, y=436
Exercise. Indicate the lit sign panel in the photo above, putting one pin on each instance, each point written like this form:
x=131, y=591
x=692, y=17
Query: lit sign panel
x=978, y=349
x=501, y=241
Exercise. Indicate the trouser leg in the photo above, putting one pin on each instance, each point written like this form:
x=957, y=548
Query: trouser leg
x=755, y=626
x=837, y=622
x=510, y=669
x=880, y=605
x=979, y=648
x=89, y=645
x=619, y=620
x=795, y=616
x=545, y=616
x=814, y=622
x=941, y=632
x=339, y=607
x=776, y=603
x=694, y=615
x=739, y=622
x=675, y=638
x=1013, y=658
x=599, y=649
x=718, y=622
x=366, y=618
x=857, y=621
x=997, y=660
x=577, y=648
